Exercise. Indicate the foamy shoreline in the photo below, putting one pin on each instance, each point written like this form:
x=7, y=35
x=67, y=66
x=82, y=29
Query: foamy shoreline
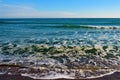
x=52, y=62
x=103, y=75
x=58, y=76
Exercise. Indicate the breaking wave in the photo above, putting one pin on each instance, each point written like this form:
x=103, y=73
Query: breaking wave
x=90, y=26
x=63, y=25
x=52, y=62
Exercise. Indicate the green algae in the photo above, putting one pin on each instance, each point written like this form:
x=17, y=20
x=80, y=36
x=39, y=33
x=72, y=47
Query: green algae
x=71, y=51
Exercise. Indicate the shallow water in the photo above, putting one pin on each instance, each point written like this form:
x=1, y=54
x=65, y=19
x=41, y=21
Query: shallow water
x=61, y=43
x=60, y=31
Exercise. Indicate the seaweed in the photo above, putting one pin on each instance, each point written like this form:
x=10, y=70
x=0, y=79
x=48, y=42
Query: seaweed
x=93, y=51
x=105, y=47
x=110, y=55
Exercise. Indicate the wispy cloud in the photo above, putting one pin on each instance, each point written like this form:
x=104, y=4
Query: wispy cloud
x=9, y=11
x=24, y=11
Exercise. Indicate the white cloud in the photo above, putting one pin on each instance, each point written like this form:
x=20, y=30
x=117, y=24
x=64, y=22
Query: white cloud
x=9, y=11
x=24, y=11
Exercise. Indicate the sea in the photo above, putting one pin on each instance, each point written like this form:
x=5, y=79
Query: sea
x=60, y=31
x=51, y=48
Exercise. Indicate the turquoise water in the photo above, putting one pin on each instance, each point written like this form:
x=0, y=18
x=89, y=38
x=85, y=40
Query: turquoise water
x=67, y=31
x=89, y=44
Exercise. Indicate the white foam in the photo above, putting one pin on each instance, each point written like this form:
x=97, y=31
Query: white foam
x=105, y=27
x=49, y=76
x=112, y=72
x=2, y=73
x=56, y=76
x=65, y=76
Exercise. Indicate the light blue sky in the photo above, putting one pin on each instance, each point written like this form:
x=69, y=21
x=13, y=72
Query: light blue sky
x=59, y=8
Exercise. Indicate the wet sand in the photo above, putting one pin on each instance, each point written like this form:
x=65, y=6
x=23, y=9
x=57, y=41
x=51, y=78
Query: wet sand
x=14, y=69
x=115, y=76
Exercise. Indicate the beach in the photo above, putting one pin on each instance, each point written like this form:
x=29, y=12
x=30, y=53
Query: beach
x=115, y=76
x=12, y=74
x=36, y=49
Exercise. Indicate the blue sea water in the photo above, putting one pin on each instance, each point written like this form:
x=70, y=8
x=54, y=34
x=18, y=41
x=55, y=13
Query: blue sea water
x=80, y=43
x=61, y=31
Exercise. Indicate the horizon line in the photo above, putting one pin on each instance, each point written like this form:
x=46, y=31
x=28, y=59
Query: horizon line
x=57, y=18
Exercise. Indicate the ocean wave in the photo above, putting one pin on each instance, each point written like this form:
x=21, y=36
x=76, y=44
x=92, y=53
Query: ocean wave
x=97, y=60
x=89, y=26
x=44, y=49
x=80, y=26
x=103, y=27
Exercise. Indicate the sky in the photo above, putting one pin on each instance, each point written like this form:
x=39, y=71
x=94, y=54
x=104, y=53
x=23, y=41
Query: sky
x=59, y=8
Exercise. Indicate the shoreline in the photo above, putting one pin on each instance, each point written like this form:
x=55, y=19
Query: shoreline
x=115, y=76
x=20, y=73
x=56, y=62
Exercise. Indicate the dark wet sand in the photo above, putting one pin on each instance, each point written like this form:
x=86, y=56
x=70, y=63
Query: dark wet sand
x=13, y=68
x=115, y=76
